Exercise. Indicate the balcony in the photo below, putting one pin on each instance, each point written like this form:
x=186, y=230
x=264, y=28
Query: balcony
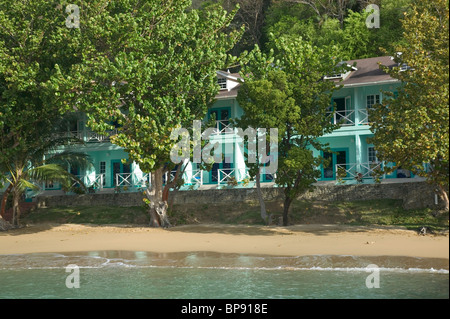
x=132, y=180
x=88, y=136
x=358, y=172
x=223, y=127
x=343, y=118
x=94, y=137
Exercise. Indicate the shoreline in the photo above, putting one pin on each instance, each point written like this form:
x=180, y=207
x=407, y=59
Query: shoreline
x=296, y=240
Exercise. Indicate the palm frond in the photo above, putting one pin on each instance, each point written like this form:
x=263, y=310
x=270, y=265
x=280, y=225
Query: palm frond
x=23, y=184
x=51, y=145
x=51, y=173
x=68, y=159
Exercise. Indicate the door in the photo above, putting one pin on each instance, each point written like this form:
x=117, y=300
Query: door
x=341, y=108
x=75, y=170
x=222, y=117
x=226, y=168
x=335, y=157
x=124, y=170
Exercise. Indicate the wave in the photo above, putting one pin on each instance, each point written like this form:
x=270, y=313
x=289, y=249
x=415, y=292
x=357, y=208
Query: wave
x=217, y=261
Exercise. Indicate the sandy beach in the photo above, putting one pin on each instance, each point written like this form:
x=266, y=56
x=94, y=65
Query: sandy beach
x=299, y=240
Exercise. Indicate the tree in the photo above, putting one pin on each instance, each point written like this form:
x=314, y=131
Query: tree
x=251, y=15
x=339, y=23
x=34, y=168
x=328, y=8
x=287, y=90
x=149, y=66
x=412, y=129
x=35, y=52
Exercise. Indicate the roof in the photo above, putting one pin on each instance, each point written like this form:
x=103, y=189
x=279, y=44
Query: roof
x=225, y=94
x=368, y=71
x=231, y=93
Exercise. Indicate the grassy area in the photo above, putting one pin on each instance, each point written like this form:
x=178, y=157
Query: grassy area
x=87, y=215
x=370, y=212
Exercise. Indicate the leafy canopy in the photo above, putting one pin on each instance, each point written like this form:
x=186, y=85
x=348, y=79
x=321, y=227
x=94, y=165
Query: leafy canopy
x=412, y=130
x=286, y=89
x=148, y=67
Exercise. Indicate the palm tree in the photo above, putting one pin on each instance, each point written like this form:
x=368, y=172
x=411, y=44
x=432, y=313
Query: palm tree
x=46, y=161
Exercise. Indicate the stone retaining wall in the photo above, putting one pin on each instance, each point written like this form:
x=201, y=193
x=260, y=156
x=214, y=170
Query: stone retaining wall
x=414, y=195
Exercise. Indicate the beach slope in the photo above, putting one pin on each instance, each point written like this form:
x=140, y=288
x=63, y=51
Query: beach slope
x=298, y=240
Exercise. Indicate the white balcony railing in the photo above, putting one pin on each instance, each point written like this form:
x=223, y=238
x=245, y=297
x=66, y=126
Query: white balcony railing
x=88, y=136
x=196, y=178
x=132, y=180
x=96, y=137
x=70, y=134
x=96, y=181
x=223, y=127
x=358, y=171
x=343, y=118
x=142, y=181
x=363, y=116
x=227, y=175
x=124, y=179
x=91, y=180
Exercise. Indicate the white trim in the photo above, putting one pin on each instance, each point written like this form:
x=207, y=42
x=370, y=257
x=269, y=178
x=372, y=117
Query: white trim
x=370, y=83
x=229, y=76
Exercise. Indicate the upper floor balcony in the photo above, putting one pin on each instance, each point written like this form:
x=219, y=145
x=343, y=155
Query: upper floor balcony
x=88, y=135
x=346, y=118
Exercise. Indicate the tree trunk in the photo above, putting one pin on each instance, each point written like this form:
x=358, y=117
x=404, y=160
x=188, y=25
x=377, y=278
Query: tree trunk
x=5, y=200
x=4, y=225
x=444, y=196
x=264, y=215
x=287, y=204
x=172, y=184
x=158, y=206
x=16, y=208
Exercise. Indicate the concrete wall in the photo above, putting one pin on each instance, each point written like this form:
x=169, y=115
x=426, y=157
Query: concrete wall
x=414, y=195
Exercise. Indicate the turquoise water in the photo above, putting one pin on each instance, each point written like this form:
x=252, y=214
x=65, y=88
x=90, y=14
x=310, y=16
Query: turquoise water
x=203, y=275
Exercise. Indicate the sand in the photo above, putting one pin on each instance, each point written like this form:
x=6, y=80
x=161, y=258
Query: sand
x=299, y=240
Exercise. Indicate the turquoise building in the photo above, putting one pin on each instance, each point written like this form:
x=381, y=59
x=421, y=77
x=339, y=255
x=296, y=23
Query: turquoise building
x=353, y=159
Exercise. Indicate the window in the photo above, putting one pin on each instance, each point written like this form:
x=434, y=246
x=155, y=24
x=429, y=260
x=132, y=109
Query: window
x=372, y=100
x=49, y=185
x=103, y=171
x=222, y=83
x=372, y=156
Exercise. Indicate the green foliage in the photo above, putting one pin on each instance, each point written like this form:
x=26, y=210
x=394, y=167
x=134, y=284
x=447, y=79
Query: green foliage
x=412, y=130
x=35, y=51
x=347, y=30
x=364, y=212
x=341, y=174
x=89, y=215
x=285, y=90
x=150, y=71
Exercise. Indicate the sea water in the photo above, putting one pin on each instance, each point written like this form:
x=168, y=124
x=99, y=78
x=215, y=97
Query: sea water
x=206, y=275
